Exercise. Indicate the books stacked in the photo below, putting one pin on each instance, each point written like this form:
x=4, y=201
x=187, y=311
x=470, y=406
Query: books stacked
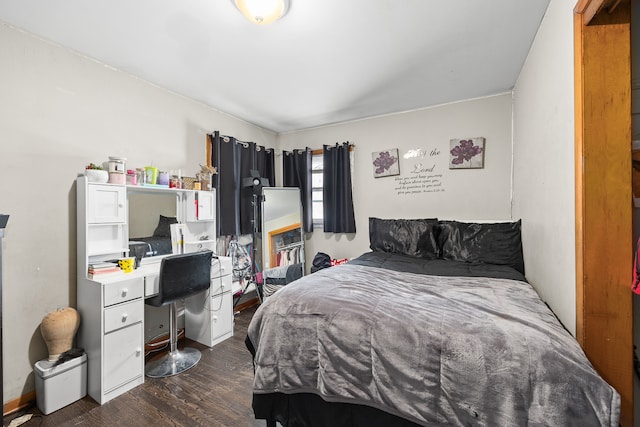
x=103, y=269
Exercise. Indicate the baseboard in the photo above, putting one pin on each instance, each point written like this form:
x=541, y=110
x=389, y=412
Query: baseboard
x=22, y=402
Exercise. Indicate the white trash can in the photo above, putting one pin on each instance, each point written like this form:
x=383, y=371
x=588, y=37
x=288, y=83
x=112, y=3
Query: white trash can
x=59, y=386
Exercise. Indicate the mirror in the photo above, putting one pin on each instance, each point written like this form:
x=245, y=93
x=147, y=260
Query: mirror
x=150, y=215
x=282, y=237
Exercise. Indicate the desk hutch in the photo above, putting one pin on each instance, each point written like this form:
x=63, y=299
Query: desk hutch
x=112, y=307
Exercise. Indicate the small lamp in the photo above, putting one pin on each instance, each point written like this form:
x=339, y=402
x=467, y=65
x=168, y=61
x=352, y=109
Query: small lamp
x=262, y=12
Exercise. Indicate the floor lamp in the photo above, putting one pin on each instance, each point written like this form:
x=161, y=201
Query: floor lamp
x=255, y=182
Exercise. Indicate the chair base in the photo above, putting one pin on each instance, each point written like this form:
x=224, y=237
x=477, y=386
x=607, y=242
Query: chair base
x=173, y=363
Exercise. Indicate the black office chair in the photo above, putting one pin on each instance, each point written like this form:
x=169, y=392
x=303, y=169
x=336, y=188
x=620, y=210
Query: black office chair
x=180, y=276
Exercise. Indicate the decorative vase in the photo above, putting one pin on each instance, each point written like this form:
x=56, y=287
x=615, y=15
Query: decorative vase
x=58, y=329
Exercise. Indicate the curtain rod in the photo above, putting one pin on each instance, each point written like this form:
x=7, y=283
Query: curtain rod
x=245, y=144
x=318, y=150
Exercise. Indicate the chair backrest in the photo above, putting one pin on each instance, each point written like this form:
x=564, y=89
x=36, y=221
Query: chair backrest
x=181, y=276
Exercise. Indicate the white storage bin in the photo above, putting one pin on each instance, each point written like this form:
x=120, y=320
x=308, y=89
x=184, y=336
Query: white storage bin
x=58, y=386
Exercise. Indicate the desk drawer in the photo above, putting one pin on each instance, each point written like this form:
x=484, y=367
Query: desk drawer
x=221, y=266
x=121, y=291
x=122, y=315
x=151, y=285
x=220, y=285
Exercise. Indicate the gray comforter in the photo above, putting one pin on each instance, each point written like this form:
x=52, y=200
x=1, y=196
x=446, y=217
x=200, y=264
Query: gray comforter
x=431, y=349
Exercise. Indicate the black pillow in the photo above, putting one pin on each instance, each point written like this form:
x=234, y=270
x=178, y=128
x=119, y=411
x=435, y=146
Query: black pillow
x=412, y=237
x=489, y=243
x=163, y=229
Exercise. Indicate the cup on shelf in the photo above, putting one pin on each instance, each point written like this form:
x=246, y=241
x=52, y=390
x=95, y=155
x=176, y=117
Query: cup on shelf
x=152, y=174
x=132, y=179
x=141, y=176
x=163, y=178
x=127, y=264
x=117, y=178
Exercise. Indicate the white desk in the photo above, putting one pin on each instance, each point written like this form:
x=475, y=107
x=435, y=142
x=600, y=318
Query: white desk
x=112, y=323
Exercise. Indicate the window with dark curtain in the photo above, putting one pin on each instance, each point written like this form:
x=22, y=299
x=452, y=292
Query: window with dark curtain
x=234, y=160
x=337, y=193
x=296, y=170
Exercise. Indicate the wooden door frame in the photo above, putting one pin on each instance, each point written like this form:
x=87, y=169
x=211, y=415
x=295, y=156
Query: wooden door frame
x=604, y=223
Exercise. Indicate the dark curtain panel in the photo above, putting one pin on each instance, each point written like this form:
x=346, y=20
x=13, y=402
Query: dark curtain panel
x=246, y=151
x=234, y=160
x=225, y=183
x=266, y=164
x=296, y=171
x=337, y=195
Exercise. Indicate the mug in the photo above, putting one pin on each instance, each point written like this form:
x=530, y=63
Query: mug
x=127, y=264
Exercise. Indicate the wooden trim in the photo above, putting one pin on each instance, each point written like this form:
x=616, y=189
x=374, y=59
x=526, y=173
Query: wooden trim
x=591, y=8
x=208, y=148
x=579, y=200
x=22, y=402
x=604, y=229
x=319, y=151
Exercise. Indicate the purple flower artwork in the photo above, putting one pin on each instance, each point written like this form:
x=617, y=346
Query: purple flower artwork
x=466, y=153
x=385, y=163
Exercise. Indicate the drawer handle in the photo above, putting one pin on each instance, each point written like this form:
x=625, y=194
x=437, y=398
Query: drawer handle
x=138, y=351
x=125, y=291
x=124, y=317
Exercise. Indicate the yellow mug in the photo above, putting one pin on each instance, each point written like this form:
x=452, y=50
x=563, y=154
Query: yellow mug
x=127, y=264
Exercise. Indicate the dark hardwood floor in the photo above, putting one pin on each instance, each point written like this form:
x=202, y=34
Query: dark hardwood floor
x=216, y=392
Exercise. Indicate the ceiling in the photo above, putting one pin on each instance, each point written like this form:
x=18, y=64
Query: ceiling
x=325, y=62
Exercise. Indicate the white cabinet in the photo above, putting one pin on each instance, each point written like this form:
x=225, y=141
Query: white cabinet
x=112, y=308
x=209, y=320
x=101, y=227
x=111, y=332
x=122, y=356
x=106, y=203
x=201, y=206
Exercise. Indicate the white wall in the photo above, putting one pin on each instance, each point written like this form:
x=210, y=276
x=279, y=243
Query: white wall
x=544, y=162
x=482, y=194
x=59, y=112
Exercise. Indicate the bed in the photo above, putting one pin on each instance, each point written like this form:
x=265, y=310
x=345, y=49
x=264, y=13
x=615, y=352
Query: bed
x=437, y=325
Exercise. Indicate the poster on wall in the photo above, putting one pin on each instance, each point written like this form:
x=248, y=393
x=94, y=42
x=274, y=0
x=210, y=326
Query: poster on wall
x=466, y=153
x=385, y=163
x=421, y=175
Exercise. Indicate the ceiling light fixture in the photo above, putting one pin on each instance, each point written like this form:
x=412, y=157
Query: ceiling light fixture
x=262, y=12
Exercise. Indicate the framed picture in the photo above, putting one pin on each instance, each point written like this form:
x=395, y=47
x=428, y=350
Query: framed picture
x=466, y=153
x=385, y=163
